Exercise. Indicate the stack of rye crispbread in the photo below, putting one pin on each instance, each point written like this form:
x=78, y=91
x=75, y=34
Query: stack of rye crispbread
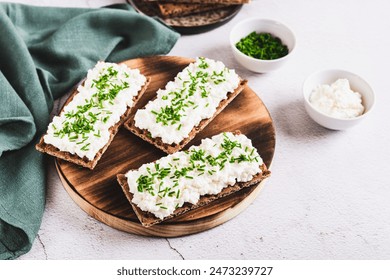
x=176, y=8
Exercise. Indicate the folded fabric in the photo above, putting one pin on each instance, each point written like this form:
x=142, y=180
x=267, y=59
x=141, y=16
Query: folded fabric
x=44, y=51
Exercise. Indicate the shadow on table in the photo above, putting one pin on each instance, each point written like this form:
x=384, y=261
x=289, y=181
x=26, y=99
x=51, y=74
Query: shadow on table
x=291, y=120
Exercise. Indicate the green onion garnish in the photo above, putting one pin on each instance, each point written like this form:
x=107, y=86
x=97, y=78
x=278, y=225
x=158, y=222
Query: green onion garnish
x=263, y=46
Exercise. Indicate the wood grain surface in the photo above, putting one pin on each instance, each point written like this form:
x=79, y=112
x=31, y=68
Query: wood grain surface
x=98, y=193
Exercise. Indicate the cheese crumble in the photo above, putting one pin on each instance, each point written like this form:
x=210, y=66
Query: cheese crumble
x=337, y=100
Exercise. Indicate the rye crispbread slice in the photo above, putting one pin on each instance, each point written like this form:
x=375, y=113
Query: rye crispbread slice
x=85, y=162
x=170, y=149
x=148, y=219
x=184, y=9
x=202, y=1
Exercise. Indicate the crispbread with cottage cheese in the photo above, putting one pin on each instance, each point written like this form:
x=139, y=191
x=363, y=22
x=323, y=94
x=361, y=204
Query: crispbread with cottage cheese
x=158, y=141
x=148, y=218
x=53, y=150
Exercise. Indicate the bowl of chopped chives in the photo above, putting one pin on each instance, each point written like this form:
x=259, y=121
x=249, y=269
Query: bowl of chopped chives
x=261, y=45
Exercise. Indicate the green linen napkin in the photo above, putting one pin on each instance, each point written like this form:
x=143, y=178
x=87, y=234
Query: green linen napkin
x=45, y=51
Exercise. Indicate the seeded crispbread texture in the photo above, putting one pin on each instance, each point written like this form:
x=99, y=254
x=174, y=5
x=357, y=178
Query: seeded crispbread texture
x=172, y=148
x=85, y=162
x=183, y=9
x=202, y=1
x=148, y=219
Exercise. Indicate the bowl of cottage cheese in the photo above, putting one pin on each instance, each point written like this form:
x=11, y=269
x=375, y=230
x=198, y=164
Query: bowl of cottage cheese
x=337, y=99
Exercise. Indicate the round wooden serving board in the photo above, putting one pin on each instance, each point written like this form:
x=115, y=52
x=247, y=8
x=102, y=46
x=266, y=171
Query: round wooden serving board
x=98, y=193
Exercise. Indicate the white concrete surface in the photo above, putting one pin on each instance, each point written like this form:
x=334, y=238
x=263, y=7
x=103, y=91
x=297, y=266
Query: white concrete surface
x=329, y=194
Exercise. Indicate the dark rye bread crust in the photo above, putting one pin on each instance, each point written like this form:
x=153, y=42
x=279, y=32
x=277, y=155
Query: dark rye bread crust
x=147, y=219
x=202, y=1
x=85, y=162
x=170, y=149
x=184, y=9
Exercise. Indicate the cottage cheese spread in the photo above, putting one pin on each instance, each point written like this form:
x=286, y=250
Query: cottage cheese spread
x=83, y=126
x=194, y=95
x=337, y=100
x=168, y=183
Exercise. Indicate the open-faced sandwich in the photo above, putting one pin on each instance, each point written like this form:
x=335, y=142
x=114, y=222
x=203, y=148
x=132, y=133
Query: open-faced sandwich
x=186, y=105
x=177, y=183
x=89, y=121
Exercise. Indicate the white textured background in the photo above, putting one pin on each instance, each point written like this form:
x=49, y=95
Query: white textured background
x=329, y=194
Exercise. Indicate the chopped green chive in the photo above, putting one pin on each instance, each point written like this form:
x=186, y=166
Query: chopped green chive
x=85, y=147
x=263, y=46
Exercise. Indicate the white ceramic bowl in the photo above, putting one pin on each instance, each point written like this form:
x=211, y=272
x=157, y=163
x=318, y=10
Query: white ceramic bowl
x=245, y=27
x=328, y=77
